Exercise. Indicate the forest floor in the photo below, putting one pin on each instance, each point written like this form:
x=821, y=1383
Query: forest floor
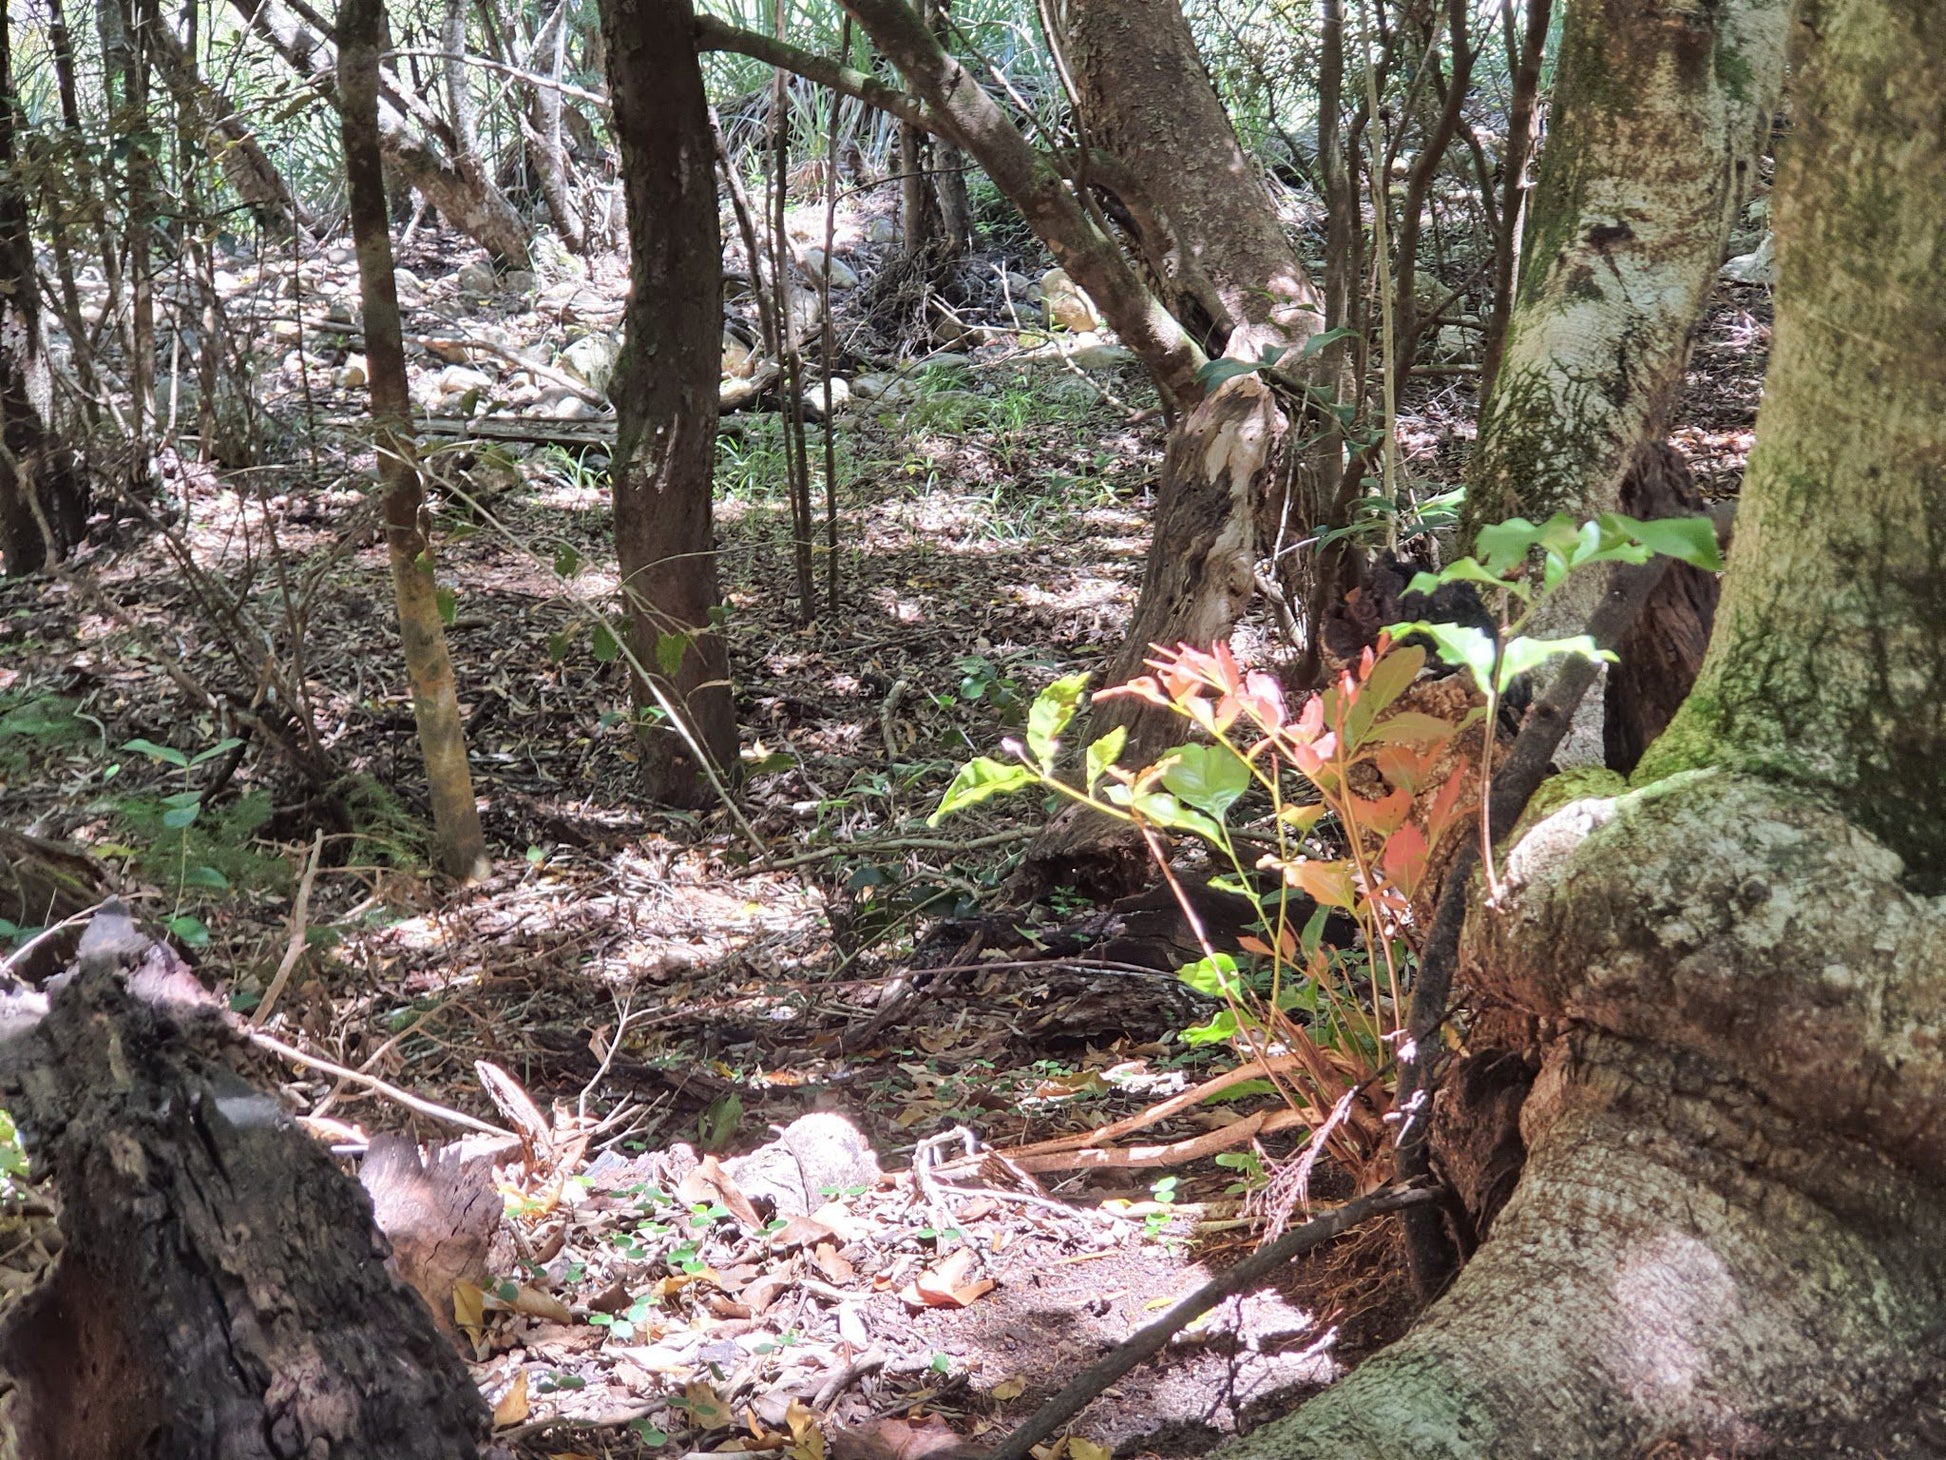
x=656, y=984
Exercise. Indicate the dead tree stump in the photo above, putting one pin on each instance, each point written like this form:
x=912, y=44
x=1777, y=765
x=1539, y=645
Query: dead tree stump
x=222, y=1293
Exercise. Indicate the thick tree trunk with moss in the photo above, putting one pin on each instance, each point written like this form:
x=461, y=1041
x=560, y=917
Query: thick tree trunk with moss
x=435, y=699
x=1661, y=112
x=666, y=395
x=1730, y=1236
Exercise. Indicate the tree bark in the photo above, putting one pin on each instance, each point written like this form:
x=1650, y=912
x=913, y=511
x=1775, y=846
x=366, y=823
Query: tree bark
x=43, y=495
x=1730, y=1233
x=666, y=395
x=464, y=197
x=968, y=117
x=1661, y=115
x=221, y=1293
x=435, y=699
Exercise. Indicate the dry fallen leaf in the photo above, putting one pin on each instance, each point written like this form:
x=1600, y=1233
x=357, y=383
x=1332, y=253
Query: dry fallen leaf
x=1010, y=1388
x=706, y=1406
x=945, y=1284
x=709, y=1182
x=1080, y=1449
x=469, y=1305
x=511, y=1407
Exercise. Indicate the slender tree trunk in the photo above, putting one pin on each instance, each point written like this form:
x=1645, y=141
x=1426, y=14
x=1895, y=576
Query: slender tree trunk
x=546, y=147
x=465, y=198
x=1524, y=58
x=1730, y=1235
x=665, y=393
x=435, y=700
x=43, y=496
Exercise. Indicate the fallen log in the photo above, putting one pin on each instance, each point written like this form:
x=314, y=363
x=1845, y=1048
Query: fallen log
x=222, y=1292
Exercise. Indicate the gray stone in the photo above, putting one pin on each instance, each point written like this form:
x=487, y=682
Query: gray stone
x=591, y=360
x=842, y=275
x=477, y=278
x=521, y=282
x=1065, y=305
x=814, y=397
x=1756, y=267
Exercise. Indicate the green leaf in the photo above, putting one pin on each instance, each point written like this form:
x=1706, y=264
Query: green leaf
x=1104, y=753
x=1462, y=646
x=669, y=649
x=168, y=755
x=1465, y=570
x=1208, y=777
x=1053, y=708
x=977, y=781
x=1166, y=811
x=190, y=931
x=1221, y=1028
x=604, y=647
x=1410, y=727
x=1391, y=676
x=222, y=747
x=446, y=600
x=1690, y=540
x=1505, y=545
x=1214, y=976
x=208, y=877
x=567, y=562
x=177, y=817
x=1523, y=654
x=1325, y=341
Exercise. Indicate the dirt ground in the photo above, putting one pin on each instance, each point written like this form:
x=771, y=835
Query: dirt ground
x=655, y=983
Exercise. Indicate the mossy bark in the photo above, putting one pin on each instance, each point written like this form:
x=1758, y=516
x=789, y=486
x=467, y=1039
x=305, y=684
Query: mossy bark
x=1828, y=666
x=422, y=634
x=1730, y=1236
x=1661, y=110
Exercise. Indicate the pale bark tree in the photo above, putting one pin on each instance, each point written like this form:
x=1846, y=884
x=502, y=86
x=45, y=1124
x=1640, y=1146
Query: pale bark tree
x=1661, y=115
x=43, y=497
x=665, y=392
x=222, y=131
x=435, y=699
x=1728, y=1235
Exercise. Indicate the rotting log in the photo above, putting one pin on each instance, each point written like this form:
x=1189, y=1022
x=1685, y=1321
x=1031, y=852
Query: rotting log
x=222, y=1292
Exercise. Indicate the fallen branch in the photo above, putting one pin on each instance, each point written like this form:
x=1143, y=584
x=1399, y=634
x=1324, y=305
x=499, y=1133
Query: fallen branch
x=1261, y=1265
x=371, y=1082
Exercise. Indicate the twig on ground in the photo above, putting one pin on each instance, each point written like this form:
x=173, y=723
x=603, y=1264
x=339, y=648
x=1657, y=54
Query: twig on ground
x=1145, y=1344
x=371, y=1082
x=893, y=844
x=294, y=949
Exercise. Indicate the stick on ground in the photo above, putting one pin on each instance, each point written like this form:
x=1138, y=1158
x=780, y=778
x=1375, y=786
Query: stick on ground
x=1254, y=1269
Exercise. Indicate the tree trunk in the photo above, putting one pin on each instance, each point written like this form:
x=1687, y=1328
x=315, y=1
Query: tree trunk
x=960, y=110
x=435, y=700
x=1730, y=1234
x=43, y=496
x=464, y=196
x=221, y=1293
x=545, y=146
x=665, y=393
x=1213, y=241
x=1661, y=115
